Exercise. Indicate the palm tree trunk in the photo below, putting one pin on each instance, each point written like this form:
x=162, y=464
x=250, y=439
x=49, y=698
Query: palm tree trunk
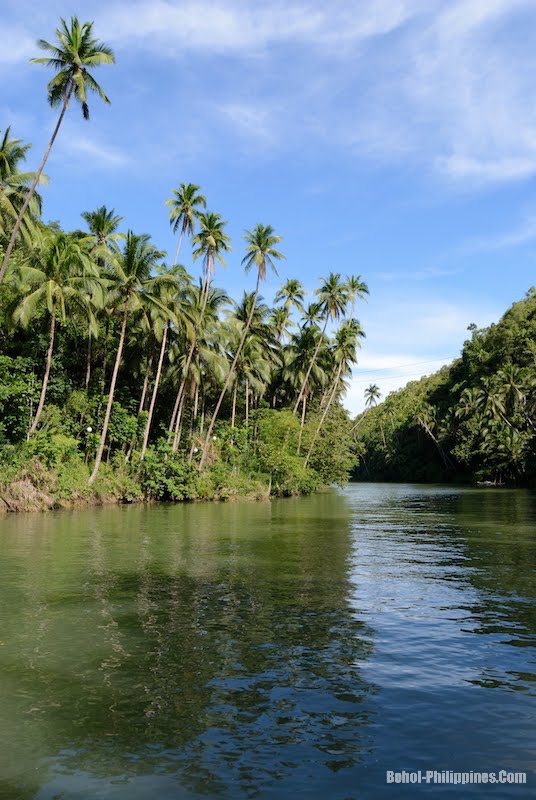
x=148, y=368
x=302, y=423
x=229, y=377
x=52, y=330
x=310, y=367
x=88, y=361
x=177, y=251
x=100, y=450
x=35, y=181
x=324, y=413
x=155, y=392
x=247, y=402
x=233, y=413
x=182, y=387
x=180, y=419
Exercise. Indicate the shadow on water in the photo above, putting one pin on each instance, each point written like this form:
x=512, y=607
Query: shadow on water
x=181, y=651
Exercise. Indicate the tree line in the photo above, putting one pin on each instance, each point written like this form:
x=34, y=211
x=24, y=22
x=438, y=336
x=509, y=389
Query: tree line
x=109, y=353
x=474, y=420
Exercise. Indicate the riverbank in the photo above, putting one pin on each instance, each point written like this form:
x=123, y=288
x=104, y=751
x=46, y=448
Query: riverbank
x=36, y=488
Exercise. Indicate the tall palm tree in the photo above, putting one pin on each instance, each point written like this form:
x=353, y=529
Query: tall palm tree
x=102, y=224
x=291, y=294
x=209, y=245
x=333, y=298
x=134, y=288
x=172, y=310
x=261, y=253
x=344, y=353
x=70, y=57
x=355, y=288
x=14, y=186
x=58, y=273
x=185, y=205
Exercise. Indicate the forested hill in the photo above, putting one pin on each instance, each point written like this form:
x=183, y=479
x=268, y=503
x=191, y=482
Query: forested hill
x=474, y=420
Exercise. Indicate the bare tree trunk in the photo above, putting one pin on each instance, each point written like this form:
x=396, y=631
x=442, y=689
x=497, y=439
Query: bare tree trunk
x=31, y=190
x=155, y=392
x=52, y=330
x=100, y=450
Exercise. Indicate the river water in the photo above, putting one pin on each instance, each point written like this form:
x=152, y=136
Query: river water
x=292, y=648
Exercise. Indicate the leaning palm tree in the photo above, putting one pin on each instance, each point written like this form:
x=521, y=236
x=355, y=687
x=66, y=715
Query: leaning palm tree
x=185, y=205
x=172, y=310
x=333, y=298
x=209, y=245
x=102, y=225
x=14, y=187
x=260, y=252
x=70, y=57
x=57, y=274
x=133, y=289
x=344, y=353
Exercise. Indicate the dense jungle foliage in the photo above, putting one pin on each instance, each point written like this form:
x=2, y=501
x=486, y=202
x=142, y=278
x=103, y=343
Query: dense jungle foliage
x=125, y=376
x=473, y=420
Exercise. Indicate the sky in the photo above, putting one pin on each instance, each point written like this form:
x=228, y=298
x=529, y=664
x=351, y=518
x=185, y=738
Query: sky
x=394, y=139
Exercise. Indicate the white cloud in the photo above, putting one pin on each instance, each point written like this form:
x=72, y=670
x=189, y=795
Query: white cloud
x=426, y=274
x=428, y=333
x=241, y=26
x=523, y=233
x=91, y=152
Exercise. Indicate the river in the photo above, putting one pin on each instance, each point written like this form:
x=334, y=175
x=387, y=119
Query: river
x=293, y=648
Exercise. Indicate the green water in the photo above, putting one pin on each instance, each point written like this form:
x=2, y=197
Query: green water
x=298, y=647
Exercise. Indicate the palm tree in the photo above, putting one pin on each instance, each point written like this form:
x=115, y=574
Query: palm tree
x=344, y=353
x=291, y=294
x=102, y=224
x=355, y=288
x=14, y=185
x=75, y=51
x=58, y=273
x=372, y=395
x=260, y=252
x=185, y=212
x=333, y=298
x=209, y=245
x=134, y=288
x=172, y=299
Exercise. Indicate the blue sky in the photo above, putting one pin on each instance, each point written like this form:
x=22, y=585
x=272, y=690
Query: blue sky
x=395, y=139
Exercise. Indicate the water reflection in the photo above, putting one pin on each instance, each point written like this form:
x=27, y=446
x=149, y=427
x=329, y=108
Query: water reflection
x=213, y=647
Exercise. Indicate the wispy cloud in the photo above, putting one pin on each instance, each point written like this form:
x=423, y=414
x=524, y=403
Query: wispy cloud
x=93, y=153
x=521, y=234
x=240, y=26
x=427, y=274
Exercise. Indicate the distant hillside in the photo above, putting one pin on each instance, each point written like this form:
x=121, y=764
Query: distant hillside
x=474, y=420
